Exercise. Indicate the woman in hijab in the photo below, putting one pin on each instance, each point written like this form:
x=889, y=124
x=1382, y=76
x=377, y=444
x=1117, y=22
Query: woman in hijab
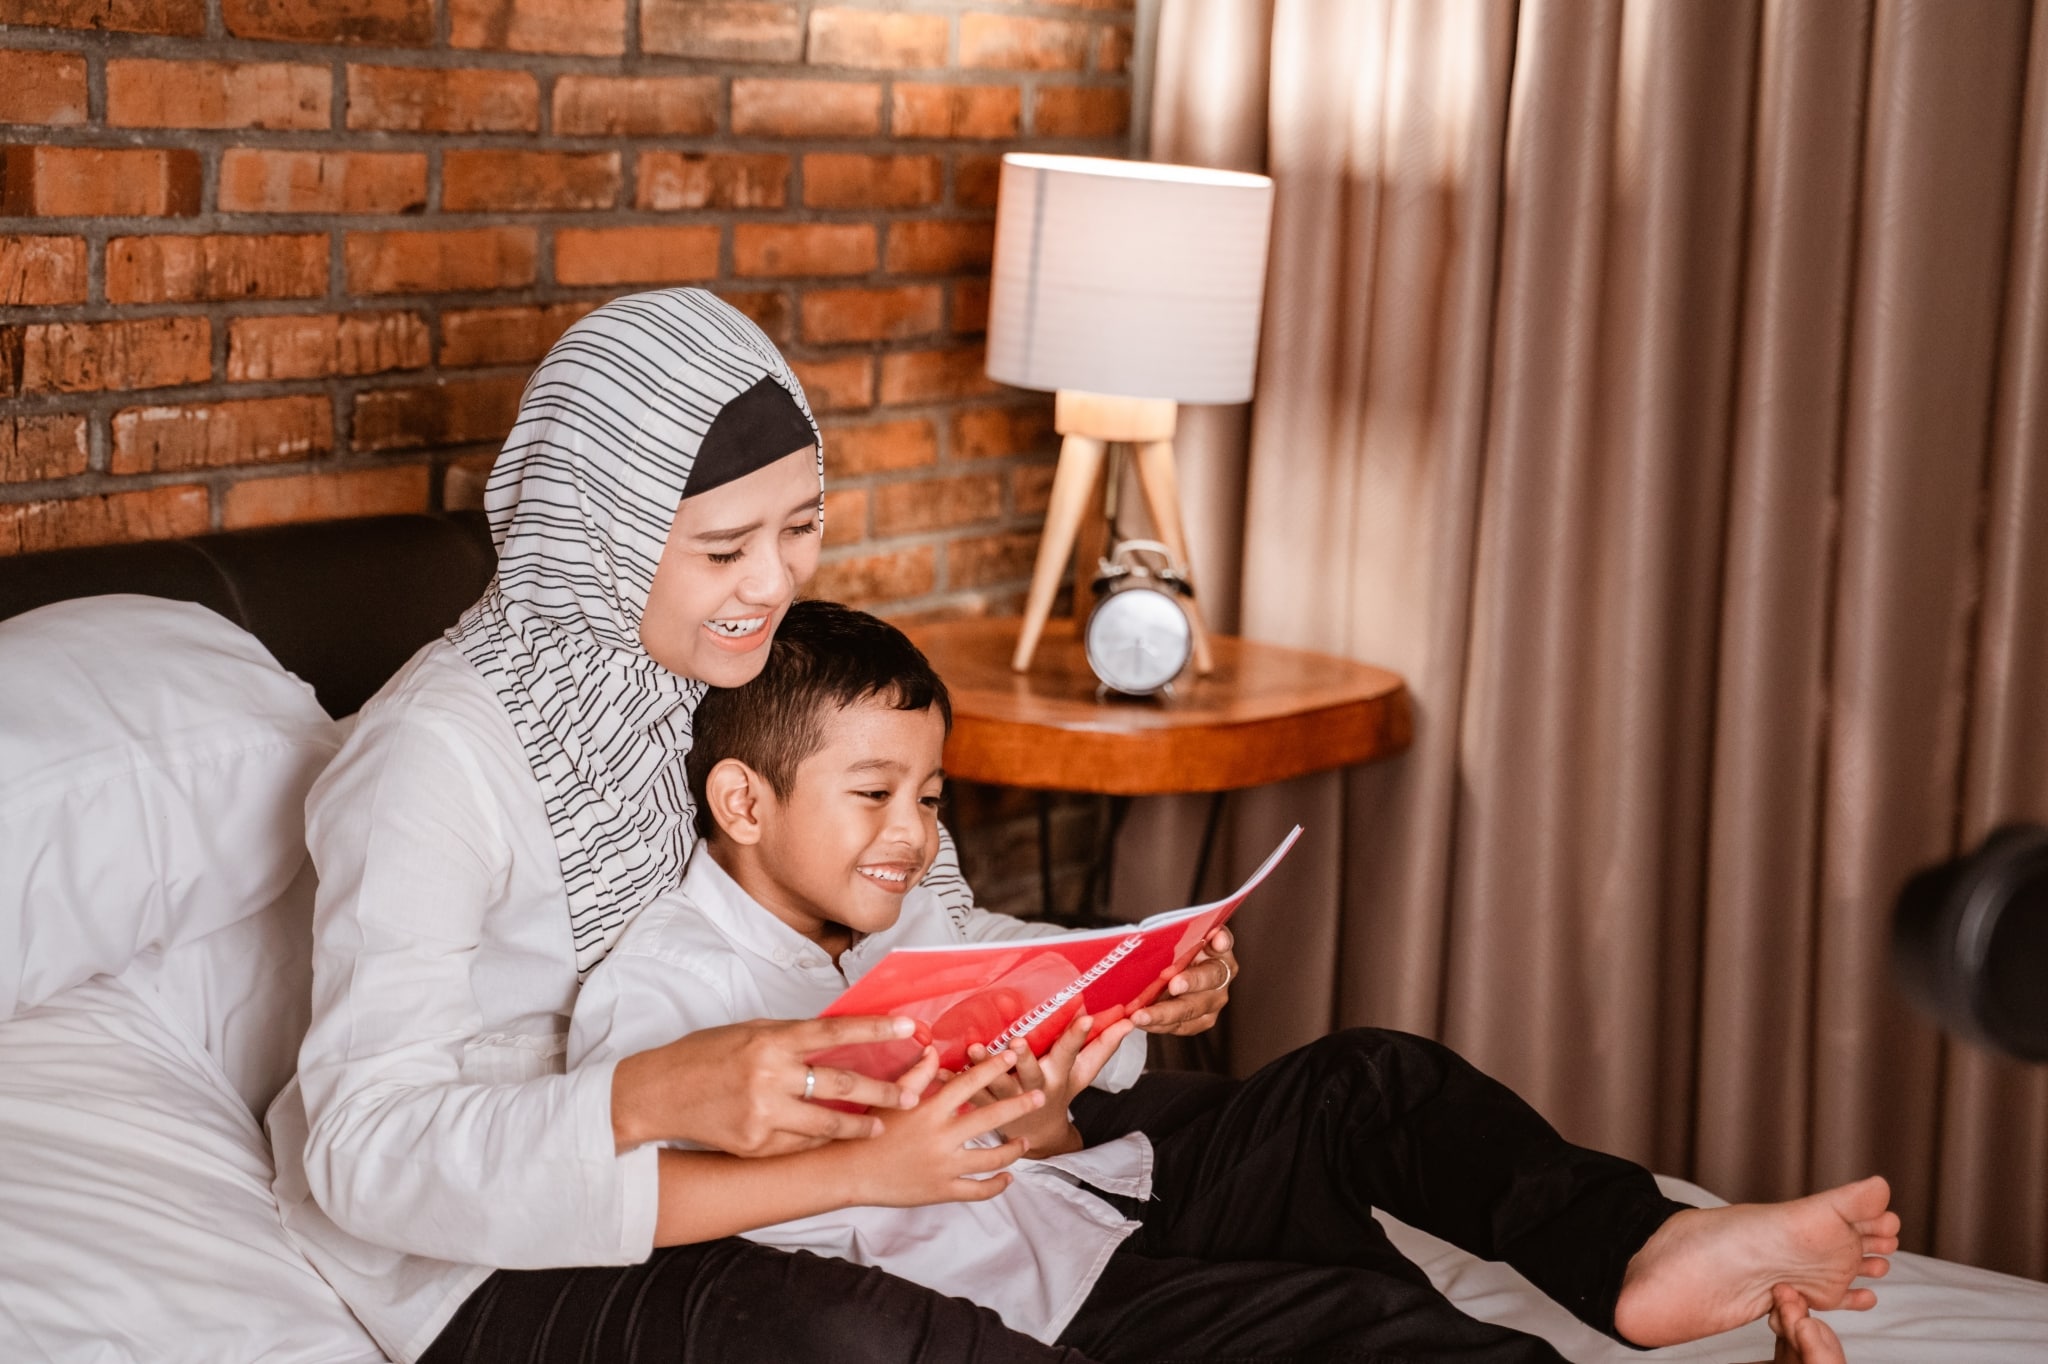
x=656, y=507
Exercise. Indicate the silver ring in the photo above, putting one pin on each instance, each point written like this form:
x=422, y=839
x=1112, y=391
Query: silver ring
x=810, y=1081
x=1228, y=974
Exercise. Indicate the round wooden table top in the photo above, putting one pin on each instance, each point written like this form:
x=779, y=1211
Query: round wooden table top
x=1265, y=714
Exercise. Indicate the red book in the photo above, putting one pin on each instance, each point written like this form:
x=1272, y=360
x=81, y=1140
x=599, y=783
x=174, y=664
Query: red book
x=996, y=993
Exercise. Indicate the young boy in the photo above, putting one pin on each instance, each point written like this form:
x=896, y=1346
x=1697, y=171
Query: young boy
x=817, y=789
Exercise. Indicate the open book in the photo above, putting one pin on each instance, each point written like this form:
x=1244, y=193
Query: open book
x=1031, y=989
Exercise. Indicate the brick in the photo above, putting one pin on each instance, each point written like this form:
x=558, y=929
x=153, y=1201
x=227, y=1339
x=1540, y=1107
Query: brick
x=514, y=182
x=876, y=40
x=636, y=255
x=36, y=448
x=836, y=315
x=110, y=518
x=849, y=180
x=1113, y=49
x=800, y=108
x=846, y=516
x=868, y=578
x=41, y=270
x=981, y=560
x=504, y=336
x=88, y=357
x=1031, y=489
x=446, y=412
x=405, y=99
x=977, y=181
x=925, y=376
x=99, y=182
x=593, y=28
x=803, y=248
x=667, y=182
x=723, y=32
x=937, y=504
x=377, y=23
x=261, y=181
x=324, y=345
x=185, y=18
x=1013, y=43
x=940, y=247
x=955, y=111
x=463, y=481
x=440, y=262
x=970, y=306
x=842, y=385
x=879, y=447
x=635, y=106
x=767, y=309
x=149, y=440
x=162, y=94
x=200, y=269
x=1080, y=111
x=42, y=87
x=989, y=432
x=326, y=497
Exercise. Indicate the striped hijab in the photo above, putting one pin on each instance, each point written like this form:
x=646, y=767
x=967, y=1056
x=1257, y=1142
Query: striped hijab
x=580, y=503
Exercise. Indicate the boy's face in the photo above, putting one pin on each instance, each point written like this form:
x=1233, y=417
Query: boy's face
x=861, y=824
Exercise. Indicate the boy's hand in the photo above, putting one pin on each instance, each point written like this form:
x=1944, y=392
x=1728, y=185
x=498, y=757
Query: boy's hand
x=922, y=1155
x=1195, y=996
x=1069, y=1066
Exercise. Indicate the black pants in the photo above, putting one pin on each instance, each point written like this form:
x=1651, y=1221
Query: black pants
x=1259, y=1242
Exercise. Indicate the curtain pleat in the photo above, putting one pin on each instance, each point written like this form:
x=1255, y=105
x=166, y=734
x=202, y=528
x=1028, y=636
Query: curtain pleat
x=1662, y=387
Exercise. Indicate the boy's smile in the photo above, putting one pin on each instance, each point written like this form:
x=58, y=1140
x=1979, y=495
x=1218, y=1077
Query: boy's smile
x=858, y=828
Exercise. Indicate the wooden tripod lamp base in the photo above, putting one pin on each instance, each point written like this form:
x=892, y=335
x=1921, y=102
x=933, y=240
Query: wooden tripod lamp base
x=1088, y=422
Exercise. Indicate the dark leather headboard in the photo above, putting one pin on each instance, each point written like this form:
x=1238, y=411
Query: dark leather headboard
x=340, y=603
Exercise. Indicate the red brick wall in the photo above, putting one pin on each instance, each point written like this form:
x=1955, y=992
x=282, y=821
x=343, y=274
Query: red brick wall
x=273, y=260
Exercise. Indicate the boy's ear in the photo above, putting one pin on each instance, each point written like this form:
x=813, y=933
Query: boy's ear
x=733, y=792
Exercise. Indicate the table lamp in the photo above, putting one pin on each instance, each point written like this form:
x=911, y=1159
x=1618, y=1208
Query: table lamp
x=1127, y=288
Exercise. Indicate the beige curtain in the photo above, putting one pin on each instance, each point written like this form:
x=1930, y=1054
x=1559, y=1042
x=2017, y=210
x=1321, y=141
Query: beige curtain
x=1662, y=387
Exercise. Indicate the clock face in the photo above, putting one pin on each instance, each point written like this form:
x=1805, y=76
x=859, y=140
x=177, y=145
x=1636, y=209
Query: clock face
x=1138, y=640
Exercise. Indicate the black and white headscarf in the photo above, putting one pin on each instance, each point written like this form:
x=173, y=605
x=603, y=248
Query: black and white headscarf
x=647, y=400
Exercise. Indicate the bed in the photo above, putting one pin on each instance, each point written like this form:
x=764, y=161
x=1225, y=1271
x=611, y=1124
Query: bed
x=140, y=1045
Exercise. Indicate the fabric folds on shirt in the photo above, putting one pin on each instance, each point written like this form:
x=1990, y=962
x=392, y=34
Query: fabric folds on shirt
x=609, y=431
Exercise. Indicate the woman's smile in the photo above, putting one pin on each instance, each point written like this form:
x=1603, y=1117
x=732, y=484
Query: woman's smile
x=739, y=634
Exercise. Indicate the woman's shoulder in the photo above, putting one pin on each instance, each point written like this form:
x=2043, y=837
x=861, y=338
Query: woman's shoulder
x=434, y=726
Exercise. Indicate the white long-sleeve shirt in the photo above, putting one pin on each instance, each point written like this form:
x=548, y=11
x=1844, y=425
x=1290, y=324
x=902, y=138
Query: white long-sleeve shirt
x=432, y=1133
x=709, y=954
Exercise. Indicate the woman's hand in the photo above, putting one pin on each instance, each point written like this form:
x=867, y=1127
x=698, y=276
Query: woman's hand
x=922, y=1156
x=1194, y=997
x=1069, y=1066
x=740, y=1088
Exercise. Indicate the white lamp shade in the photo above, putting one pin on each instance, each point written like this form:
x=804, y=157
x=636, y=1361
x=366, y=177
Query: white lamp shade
x=1128, y=278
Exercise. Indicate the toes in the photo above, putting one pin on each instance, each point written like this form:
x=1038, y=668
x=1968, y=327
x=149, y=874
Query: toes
x=1886, y=1225
x=1880, y=1245
x=1874, y=1267
x=1857, y=1300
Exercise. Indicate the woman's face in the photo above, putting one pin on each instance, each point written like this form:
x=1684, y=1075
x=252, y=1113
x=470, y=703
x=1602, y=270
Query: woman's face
x=734, y=561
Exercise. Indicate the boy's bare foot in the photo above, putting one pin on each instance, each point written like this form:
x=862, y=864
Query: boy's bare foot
x=1708, y=1270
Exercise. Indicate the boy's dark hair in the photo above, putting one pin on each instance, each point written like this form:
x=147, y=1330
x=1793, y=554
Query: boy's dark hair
x=823, y=658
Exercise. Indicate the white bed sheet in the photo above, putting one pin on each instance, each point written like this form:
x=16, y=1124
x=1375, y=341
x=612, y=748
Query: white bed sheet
x=1928, y=1312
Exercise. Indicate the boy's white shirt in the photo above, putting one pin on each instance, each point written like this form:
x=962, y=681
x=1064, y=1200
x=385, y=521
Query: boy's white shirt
x=708, y=955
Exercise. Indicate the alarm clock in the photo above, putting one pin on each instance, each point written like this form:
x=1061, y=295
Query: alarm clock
x=1138, y=638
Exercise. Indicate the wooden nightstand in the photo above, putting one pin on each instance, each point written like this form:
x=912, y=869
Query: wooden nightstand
x=1265, y=714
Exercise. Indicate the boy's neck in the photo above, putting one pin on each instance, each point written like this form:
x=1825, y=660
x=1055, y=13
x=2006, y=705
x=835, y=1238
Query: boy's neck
x=744, y=865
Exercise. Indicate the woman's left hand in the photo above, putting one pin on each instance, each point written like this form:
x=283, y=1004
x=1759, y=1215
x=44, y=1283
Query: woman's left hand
x=1194, y=997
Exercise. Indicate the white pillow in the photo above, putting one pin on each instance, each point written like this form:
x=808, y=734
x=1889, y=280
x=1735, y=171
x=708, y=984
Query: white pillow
x=135, y=1194
x=156, y=762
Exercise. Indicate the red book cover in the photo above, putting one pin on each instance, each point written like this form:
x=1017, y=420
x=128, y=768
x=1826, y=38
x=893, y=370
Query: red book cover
x=1032, y=988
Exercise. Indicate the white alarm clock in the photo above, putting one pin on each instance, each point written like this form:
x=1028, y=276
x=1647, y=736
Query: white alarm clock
x=1138, y=637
